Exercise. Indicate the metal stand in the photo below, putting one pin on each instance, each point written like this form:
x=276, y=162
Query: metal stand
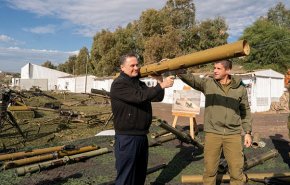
x=8, y=117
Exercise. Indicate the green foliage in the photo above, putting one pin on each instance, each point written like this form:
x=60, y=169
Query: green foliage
x=5, y=79
x=69, y=65
x=158, y=34
x=279, y=15
x=159, y=47
x=212, y=33
x=9, y=178
x=16, y=75
x=269, y=40
x=181, y=13
x=78, y=64
x=48, y=64
x=108, y=47
x=152, y=22
x=82, y=65
x=190, y=40
x=172, y=31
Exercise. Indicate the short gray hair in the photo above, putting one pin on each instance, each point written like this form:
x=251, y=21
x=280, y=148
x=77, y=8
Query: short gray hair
x=124, y=57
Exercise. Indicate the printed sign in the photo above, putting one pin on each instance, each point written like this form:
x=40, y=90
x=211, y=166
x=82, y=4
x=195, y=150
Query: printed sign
x=186, y=101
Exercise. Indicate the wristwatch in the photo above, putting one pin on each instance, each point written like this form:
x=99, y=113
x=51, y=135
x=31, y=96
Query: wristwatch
x=249, y=132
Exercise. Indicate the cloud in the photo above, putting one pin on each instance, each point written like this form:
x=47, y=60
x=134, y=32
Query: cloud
x=6, y=40
x=89, y=16
x=238, y=14
x=13, y=58
x=38, y=7
x=41, y=29
x=86, y=17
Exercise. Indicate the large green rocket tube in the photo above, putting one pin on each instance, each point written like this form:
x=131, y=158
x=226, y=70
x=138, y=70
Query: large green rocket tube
x=184, y=137
x=73, y=158
x=260, y=159
x=162, y=139
x=227, y=51
x=159, y=133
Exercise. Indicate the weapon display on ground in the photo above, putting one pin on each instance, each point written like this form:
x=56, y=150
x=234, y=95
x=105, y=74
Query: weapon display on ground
x=5, y=114
x=227, y=51
x=18, y=106
x=29, y=153
x=54, y=155
x=73, y=158
x=250, y=176
x=257, y=143
x=260, y=159
x=155, y=168
x=184, y=137
x=42, y=108
x=93, y=117
x=162, y=139
x=70, y=114
x=223, y=166
x=159, y=133
x=37, y=92
x=102, y=93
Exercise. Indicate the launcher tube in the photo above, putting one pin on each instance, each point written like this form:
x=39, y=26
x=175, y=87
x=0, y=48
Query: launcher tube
x=227, y=51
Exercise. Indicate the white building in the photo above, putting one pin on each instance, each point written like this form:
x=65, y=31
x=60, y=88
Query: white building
x=76, y=84
x=26, y=84
x=35, y=75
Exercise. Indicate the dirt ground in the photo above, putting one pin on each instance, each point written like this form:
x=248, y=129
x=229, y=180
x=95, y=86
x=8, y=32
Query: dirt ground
x=180, y=158
x=266, y=124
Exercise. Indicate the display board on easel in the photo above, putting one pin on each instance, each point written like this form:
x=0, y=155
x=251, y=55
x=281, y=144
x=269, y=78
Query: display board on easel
x=186, y=103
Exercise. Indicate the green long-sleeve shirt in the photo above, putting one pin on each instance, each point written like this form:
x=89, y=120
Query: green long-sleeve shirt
x=225, y=112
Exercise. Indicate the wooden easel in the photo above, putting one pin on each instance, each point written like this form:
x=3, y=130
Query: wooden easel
x=192, y=121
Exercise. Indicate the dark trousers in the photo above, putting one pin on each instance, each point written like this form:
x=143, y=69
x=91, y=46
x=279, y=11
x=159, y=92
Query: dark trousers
x=131, y=153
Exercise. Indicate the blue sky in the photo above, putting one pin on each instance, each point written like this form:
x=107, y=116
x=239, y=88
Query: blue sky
x=39, y=30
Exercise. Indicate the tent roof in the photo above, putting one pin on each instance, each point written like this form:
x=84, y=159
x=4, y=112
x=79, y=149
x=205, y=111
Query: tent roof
x=265, y=73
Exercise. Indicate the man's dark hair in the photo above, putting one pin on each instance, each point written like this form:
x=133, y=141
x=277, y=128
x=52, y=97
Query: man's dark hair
x=226, y=63
x=124, y=57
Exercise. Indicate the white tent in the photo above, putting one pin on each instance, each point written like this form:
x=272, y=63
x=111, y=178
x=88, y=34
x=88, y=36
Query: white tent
x=264, y=87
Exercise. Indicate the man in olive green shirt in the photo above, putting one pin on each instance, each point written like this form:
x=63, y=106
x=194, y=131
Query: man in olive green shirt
x=227, y=113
